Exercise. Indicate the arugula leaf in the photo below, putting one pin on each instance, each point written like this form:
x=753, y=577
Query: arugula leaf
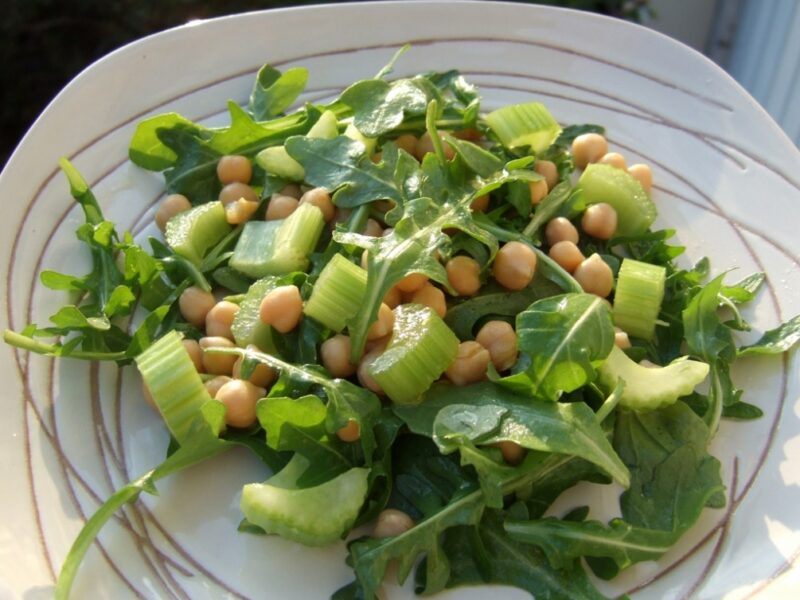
x=776, y=341
x=705, y=334
x=379, y=107
x=562, y=339
x=744, y=290
x=274, y=92
x=559, y=197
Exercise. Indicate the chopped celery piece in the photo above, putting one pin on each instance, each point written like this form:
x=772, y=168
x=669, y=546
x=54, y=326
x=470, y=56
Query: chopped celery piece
x=529, y=124
x=604, y=183
x=313, y=516
x=278, y=247
x=173, y=382
x=337, y=294
x=421, y=348
x=326, y=127
x=637, y=301
x=649, y=388
x=191, y=233
x=354, y=134
x=247, y=327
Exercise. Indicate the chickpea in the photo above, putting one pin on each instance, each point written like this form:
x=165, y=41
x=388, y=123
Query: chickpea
x=393, y=298
x=262, y=376
x=350, y=432
x=538, y=191
x=379, y=344
x=239, y=398
x=392, y=522
x=384, y=325
x=364, y=378
x=373, y=228
x=432, y=296
x=293, y=190
x=548, y=170
x=588, y=148
x=615, y=159
x=407, y=142
x=463, y=273
x=233, y=191
x=240, y=211
x=595, y=276
x=412, y=282
x=600, y=221
x=425, y=145
x=621, y=339
x=512, y=452
x=470, y=134
x=560, y=229
x=169, y=207
x=514, y=265
x=377, y=157
x=234, y=168
x=643, y=175
x=383, y=206
x=280, y=207
x=335, y=355
x=499, y=338
x=195, y=353
x=480, y=204
x=282, y=308
x=387, y=232
x=470, y=364
x=567, y=255
x=217, y=364
x=194, y=304
x=340, y=216
x=220, y=318
x=213, y=385
x=320, y=198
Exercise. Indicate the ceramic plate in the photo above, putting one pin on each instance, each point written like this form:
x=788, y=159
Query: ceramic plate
x=726, y=178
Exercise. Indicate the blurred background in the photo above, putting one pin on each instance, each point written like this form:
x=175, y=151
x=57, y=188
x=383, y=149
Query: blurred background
x=45, y=43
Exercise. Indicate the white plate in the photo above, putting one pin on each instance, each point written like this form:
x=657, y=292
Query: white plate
x=726, y=177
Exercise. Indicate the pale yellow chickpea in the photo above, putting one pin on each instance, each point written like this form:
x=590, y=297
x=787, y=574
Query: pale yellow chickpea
x=240, y=398
x=595, y=276
x=195, y=353
x=217, y=364
x=233, y=191
x=588, y=148
x=470, y=364
x=282, y=308
x=194, y=304
x=499, y=338
x=220, y=318
x=349, y=433
x=431, y=296
x=234, y=168
x=643, y=175
x=512, y=452
x=364, y=378
x=392, y=522
x=514, y=265
x=384, y=324
x=320, y=198
x=464, y=275
x=373, y=228
x=425, y=145
x=335, y=355
x=365, y=259
x=240, y=211
x=263, y=375
x=567, y=255
x=538, y=191
x=560, y=229
x=340, y=216
x=293, y=190
x=407, y=142
x=548, y=170
x=213, y=385
x=480, y=204
x=600, y=221
x=169, y=207
x=393, y=297
x=621, y=339
x=412, y=282
x=615, y=159
x=280, y=207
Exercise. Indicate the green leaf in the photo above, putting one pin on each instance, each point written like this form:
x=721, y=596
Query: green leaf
x=379, y=107
x=478, y=160
x=744, y=290
x=549, y=208
x=274, y=92
x=705, y=334
x=147, y=150
x=776, y=341
x=563, y=339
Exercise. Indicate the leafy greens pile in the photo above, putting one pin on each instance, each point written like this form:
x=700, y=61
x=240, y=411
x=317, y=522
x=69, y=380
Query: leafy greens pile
x=477, y=518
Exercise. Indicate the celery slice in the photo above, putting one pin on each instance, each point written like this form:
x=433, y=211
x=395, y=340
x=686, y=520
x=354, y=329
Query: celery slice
x=420, y=350
x=604, y=183
x=174, y=383
x=637, y=301
x=529, y=124
x=337, y=294
x=247, y=327
x=191, y=233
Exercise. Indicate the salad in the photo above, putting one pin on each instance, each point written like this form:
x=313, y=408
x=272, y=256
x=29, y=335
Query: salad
x=428, y=321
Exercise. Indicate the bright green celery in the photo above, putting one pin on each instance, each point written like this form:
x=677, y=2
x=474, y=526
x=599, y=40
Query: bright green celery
x=314, y=516
x=337, y=294
x=247, y=327
x=278, y=247
x=637, y=301
x=422, y=347
x=529, y=124
x=604, y=183
x=174, y=383
x=191, y=233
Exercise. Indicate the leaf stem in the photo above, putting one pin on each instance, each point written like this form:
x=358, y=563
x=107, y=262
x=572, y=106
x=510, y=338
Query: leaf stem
x=28, y=343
